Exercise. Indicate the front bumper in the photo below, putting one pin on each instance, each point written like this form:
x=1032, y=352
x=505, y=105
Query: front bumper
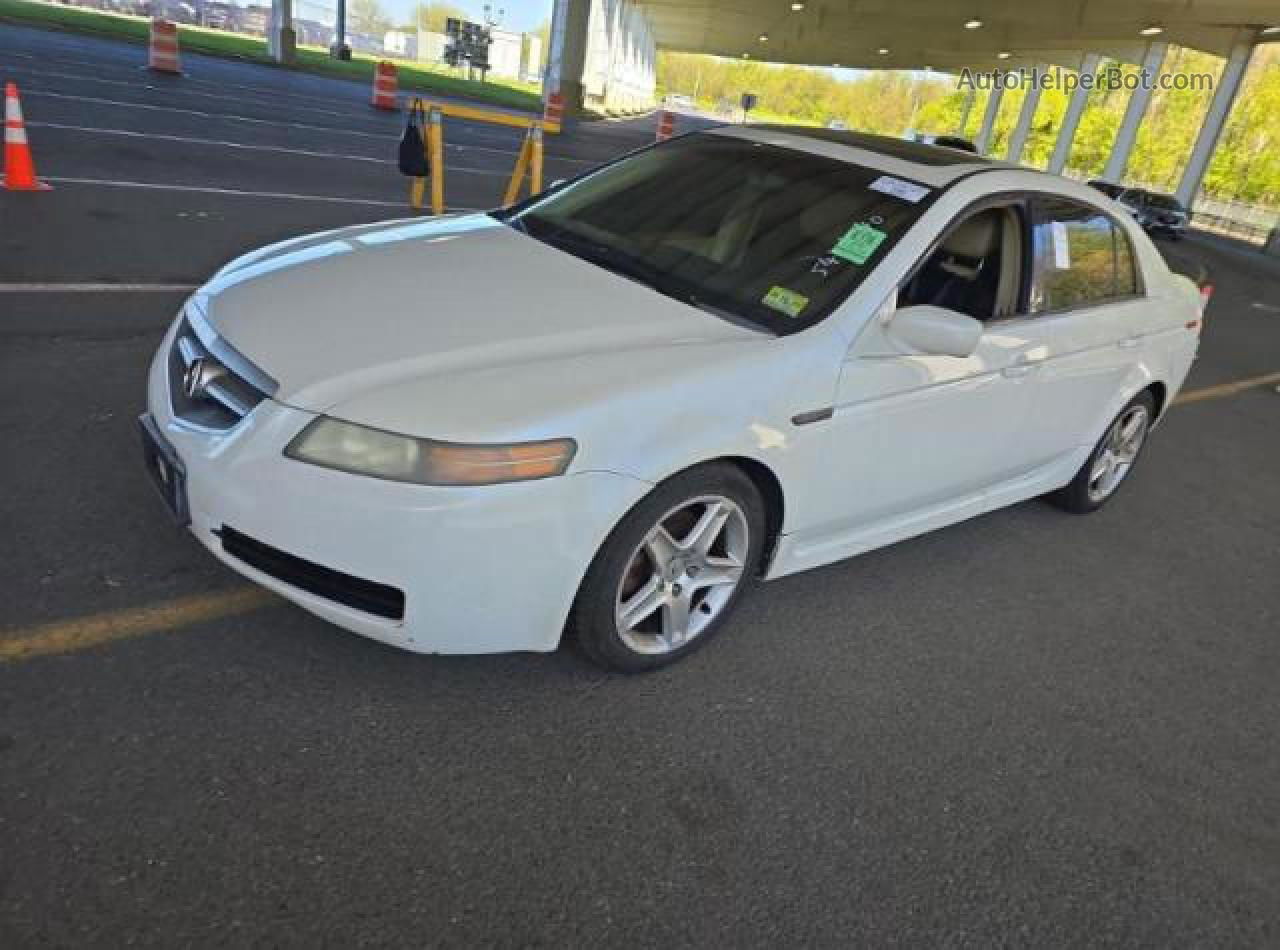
x=482, y=570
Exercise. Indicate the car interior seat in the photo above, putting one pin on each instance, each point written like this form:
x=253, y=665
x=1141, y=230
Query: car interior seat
x=964, y=273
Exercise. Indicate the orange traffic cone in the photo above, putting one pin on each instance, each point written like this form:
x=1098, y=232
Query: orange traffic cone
x=384, y=86
x=19, y=169
x=162, y=54
x=553, y=114
x=666, y=125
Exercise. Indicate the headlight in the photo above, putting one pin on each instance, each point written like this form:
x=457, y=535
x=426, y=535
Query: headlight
x=332, y=443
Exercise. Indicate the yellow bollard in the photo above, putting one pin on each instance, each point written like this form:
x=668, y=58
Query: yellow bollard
x=535, y=174
x=517, y=174
x=435, y=146
x=530, y=161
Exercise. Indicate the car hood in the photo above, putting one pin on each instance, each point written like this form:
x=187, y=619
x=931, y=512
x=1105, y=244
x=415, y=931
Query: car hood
x=342, y=313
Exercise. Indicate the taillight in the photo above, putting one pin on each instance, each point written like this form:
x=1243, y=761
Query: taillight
x=1206, y=294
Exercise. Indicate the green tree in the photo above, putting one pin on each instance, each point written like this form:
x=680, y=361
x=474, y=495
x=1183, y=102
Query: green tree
x=368, y=16
x=432, y=16
x=1245, y=166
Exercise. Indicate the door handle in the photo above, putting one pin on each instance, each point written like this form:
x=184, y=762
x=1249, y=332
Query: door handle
x=1022, y=366
x=1128, y=343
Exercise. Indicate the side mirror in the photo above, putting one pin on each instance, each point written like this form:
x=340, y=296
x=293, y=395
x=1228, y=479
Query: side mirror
x=935, y=331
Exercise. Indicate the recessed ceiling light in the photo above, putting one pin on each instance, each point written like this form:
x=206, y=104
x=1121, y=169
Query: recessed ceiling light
x=746, y=55
x=974, y=24
x=883, y=51
x=835, y=65
x=764, y=37
x=1003, y=54
x=1152, y=30
x=1271, y=31
x=797, y=7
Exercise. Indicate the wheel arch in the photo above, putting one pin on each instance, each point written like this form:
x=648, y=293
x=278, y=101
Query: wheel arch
x=775, y=505
x=1160, y=393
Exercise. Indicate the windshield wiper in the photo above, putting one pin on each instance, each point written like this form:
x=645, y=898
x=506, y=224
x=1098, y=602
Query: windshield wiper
x=602, y=255
x=622, y=264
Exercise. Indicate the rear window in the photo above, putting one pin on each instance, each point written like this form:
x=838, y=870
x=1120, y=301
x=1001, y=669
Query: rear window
x=748, y=231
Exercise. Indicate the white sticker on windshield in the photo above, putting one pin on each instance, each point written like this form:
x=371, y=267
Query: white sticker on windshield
x=899, y=188
x=1061, y=250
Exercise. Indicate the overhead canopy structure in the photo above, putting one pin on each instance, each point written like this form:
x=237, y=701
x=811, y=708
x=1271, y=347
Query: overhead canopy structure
x=948, y=35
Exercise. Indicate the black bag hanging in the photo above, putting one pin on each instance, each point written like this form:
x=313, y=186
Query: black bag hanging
x=413, y=153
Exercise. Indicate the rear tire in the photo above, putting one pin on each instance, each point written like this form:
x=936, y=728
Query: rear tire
x=673, y=570
x=1111, y=461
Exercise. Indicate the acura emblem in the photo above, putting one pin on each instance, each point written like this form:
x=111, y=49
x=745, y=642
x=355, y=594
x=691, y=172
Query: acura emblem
x=200, y=373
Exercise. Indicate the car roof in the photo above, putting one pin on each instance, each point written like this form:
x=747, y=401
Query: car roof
x=934, y=165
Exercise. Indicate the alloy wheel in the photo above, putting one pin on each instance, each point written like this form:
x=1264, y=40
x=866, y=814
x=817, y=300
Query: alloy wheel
x=682, y=575
x=1119, y=451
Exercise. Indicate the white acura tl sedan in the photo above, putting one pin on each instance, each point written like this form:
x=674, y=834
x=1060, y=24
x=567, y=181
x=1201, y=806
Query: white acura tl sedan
x=612, y=408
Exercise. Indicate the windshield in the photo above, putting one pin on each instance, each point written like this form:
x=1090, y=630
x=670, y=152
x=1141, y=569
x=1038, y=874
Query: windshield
x=751, y=232
x=1164, y=202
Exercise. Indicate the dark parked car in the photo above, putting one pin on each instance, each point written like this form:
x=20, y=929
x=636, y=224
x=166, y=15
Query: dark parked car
x=955, y=141
x=1110, y=189
x=1157, y=213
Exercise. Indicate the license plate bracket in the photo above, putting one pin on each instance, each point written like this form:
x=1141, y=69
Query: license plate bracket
x=167, y=472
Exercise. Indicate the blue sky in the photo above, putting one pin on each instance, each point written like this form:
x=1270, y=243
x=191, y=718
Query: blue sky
x=521, y=15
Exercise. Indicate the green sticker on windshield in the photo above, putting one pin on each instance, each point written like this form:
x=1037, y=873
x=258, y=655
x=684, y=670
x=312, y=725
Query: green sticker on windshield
x=786, y=301
x=859, y=243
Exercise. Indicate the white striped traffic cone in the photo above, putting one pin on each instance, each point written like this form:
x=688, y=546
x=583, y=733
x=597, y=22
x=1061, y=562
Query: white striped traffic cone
x=384, y=86
x=19, y=169
x=163, y=57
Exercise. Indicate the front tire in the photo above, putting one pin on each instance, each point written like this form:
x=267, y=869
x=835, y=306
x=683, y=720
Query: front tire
x=1109, y=464
x=672, y=571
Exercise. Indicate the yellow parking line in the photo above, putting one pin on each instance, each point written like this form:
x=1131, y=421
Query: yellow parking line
x=1226, y=389
x=66, y=636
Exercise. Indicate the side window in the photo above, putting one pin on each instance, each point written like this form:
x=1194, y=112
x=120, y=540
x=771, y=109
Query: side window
x=1081, y=258
x=976, y=268
x=1126, y=265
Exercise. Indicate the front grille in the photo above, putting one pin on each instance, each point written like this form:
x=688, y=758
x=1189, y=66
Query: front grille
x=381, y=600
x=224, y=396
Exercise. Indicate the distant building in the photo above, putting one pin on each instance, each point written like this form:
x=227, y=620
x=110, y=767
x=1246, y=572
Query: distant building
x=400, y=43
x=254, y=19
x=431, y=46
x=506, y=52
x=532, y=65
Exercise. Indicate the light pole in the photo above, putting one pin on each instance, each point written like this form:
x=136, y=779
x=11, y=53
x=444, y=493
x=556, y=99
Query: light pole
x=340, y=49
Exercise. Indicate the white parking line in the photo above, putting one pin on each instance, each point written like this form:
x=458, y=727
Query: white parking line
x=238, y=193
x=95, y=288
x=381, y=137
x=222, y=143
x=272, y=93
x=236, y=99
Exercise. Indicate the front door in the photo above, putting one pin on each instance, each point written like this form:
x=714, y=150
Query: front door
x=915, y=438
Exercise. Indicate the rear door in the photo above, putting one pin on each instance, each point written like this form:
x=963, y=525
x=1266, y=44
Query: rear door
x=1084, y=324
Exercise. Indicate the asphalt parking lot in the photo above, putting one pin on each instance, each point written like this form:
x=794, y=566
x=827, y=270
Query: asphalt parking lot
x=1029, y=729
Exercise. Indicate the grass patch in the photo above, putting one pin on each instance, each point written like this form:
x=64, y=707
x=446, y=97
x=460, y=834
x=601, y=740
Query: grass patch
x=415, y=77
